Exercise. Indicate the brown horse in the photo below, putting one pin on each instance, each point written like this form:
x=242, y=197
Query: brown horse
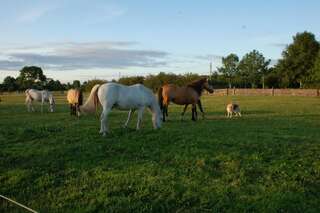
x=75, y=100
x=185, y=95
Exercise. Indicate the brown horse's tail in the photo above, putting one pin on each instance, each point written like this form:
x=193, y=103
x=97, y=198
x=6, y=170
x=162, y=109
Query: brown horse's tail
x=160, y=98
x=92, y=102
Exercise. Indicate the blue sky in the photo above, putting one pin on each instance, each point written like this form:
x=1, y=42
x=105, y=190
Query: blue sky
x=83, y=39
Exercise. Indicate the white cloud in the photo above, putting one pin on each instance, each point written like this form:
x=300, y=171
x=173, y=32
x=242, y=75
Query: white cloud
x=82, y=55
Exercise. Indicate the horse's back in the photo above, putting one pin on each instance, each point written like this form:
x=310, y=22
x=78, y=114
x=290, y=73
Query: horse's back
x=33, y=94
x=179, y=95
x=124, y=96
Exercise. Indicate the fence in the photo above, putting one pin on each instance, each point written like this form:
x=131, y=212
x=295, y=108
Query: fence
x=267, y=92
x=231, y=91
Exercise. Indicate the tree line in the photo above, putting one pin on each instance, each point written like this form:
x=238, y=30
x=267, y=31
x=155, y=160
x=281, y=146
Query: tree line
x=299, y=67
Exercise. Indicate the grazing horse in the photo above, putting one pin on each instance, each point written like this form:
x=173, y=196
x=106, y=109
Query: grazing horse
x=75, y=100
x=40, y=96
x=185, y=95
x=135, y=97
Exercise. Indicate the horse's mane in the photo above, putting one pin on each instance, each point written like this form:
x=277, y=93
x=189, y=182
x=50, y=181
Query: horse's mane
x=197, y=85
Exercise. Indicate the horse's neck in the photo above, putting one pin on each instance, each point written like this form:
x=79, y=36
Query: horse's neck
x=197, y=89
x=154, y=104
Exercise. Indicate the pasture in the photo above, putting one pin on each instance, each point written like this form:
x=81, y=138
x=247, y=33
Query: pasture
x=266, y=161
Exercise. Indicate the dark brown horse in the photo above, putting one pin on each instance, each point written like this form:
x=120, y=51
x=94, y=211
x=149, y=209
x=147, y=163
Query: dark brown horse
x=75, y=99
x=185, y=95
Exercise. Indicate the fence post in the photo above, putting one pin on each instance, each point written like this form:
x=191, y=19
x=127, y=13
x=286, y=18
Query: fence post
x=227, y=91
x=234, y=90
x=272, y=91
x=318, y=92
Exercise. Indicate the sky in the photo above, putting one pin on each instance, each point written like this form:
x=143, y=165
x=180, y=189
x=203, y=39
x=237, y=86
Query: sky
x=101, y=39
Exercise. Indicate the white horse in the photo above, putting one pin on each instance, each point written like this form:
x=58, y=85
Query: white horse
x=41, y=96
x=135, y=97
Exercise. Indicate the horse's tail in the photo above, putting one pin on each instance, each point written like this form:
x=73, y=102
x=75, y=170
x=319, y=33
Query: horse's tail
x=160, y=98
x=28, y=96
x=91, y=105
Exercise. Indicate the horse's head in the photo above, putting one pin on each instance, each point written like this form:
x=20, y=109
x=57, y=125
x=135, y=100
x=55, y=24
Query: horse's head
x=207, y=86
x=156, y=114
x=201, y=84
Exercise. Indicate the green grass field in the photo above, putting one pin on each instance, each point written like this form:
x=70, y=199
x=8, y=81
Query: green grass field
x=266, y=161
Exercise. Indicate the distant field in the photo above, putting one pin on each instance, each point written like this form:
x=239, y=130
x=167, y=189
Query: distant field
x=266, y=161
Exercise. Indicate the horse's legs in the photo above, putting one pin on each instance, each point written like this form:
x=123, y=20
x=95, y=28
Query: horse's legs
x=164, y=113
x=167, y=110
x=75, y=109
x=196, y=112
x=42, y=101
x=27, y=104
x=184, y=111
x=129, y=117
x=71, y=109
x=140, y=114
x=200, y=107
x=193, y=112
x=103, y=121
x=77, y=112
x=30, y=106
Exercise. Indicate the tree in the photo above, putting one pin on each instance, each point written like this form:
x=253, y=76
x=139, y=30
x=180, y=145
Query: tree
x=32, y=73
x=230, y=67
x=88, y=86
x=298, y=60
x=54, y=85
x=315, y=74
x=76, y=84
x=253, y=67
x=187, y=78
x=272, y=79
x=31, y=77
x=131, y=80
x=217, y=80
x=10, y=84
